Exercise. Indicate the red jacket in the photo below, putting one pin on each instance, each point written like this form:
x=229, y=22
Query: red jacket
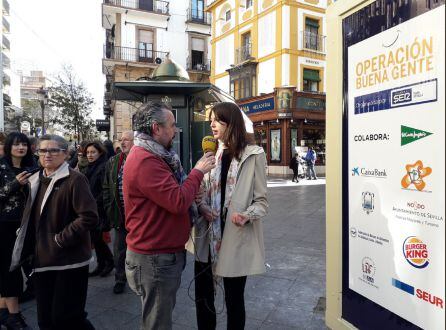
x=156, y=206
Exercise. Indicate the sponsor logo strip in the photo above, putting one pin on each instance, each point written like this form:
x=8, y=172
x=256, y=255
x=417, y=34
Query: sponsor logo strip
x=403, y=286
x=422, y=92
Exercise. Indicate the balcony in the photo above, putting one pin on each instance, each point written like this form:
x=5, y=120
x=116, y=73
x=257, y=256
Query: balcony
x=134, y=55
x=198, y=17
x=6, y=26
x=6, y=7
x=155, y=6
x=6, y=61
x=6, y=79
x=5, y=43
x=198, y=65
x=313, y=42
x=243, y=54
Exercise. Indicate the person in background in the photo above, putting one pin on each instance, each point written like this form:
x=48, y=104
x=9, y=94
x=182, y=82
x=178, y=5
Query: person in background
x=82, y=162
x=118, y=150
x=97, y=158
x=294, y=165
x=228, y=238
x=72, y=157
x=109, y=148
x=114, y=207
x=157, y=200
x=33, y=141
x=2, y=144
x=55, y=233
x=310, y=159
x=14, y=167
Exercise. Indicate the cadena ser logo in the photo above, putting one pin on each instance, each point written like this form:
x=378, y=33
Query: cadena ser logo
x=416, y=252
x=415, y=174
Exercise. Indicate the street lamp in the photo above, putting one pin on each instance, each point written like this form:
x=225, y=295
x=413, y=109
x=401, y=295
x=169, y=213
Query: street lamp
x=43, y=98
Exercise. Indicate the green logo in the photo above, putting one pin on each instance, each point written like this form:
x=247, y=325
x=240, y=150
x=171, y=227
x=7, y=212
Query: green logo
x=409, y=134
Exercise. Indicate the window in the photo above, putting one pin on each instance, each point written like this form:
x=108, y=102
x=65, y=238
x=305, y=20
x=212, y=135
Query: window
x=145, y=46
x=248, y=4
x=243, y=82
x=198, y=54
x=311, y=80
x=228, y=15
x=311, y=34
x=245, y=51
x=197, y=9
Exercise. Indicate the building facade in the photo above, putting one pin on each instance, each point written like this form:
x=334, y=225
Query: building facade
x=270, y=56
x=140, y=35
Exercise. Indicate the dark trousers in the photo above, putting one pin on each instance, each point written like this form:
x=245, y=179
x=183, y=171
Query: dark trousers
x=61, y=296
x=103, y=252
x=295, y=174
x=119, y=251
x=204, y=299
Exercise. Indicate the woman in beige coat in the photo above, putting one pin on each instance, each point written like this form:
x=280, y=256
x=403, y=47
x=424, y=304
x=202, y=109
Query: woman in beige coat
x=228, y=237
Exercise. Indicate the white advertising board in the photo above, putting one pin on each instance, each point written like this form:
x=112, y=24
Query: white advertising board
x=396, y=157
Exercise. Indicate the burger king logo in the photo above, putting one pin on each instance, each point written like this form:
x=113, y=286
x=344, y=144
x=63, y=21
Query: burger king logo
x=415, y=252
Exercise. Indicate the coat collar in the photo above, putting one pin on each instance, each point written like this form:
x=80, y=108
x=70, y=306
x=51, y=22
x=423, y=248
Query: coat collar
x=251, y=149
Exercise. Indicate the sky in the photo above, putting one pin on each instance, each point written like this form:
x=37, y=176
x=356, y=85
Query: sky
x=45, y=34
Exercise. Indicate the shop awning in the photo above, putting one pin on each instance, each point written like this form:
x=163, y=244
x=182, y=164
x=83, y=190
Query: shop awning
x=312, y=75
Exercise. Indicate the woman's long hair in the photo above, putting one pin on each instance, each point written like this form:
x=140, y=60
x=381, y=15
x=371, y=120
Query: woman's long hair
x=235, y=136
x=16, y=137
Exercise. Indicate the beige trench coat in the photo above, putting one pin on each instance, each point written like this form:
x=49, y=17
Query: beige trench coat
x=242, y=250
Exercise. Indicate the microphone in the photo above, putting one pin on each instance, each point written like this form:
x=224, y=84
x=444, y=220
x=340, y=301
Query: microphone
x=209, y=144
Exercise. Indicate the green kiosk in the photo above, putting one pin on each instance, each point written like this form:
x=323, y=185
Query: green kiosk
x=190, y=102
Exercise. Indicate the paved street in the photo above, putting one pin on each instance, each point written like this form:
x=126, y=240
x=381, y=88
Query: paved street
x=291, y=295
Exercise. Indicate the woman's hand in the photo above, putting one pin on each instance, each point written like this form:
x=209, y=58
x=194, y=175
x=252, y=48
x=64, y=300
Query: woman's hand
x=207, y=212
x=22, y=178
x=239, y=219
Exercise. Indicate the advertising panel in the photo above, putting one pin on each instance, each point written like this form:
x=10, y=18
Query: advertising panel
x=396, y=159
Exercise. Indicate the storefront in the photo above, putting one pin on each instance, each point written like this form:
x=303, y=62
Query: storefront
x=287, y=121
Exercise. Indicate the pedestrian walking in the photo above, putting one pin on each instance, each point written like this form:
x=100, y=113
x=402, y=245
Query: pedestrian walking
x=228, y=238
x=55, y=234
x=15, y=167
x=294, y=165
x=157, y=201
x=114, y=207
x=310, y=159
x=95, y=173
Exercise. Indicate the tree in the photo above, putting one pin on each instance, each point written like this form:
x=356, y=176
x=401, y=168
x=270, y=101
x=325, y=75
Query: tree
x=72, y=103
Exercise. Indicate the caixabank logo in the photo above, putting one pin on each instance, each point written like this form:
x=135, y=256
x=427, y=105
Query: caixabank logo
x=419, y=293
x=415, y=174
x=415, y=252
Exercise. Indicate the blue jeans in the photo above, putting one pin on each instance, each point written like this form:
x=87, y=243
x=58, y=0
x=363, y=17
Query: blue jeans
x=310, y=172
x=156, y=279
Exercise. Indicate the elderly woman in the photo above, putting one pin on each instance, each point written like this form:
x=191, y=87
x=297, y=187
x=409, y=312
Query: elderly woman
x=55, y=233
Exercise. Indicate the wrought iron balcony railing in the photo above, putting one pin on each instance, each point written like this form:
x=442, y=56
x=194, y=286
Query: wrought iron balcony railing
x=6, y=26
x=6, y=43
x=198, y=16
x=198, y=65
x=313, y=42
x=243, y=53
x=134, y=54
x=156, y=6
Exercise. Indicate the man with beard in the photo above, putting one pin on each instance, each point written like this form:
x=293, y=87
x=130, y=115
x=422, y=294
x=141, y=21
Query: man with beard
x=157, y=199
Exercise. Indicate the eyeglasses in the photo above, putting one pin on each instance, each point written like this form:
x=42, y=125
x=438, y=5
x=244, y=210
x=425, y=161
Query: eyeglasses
x=52, y=151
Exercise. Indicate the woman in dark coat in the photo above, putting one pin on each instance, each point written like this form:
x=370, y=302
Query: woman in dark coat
x=15, y=168
x=95, y=172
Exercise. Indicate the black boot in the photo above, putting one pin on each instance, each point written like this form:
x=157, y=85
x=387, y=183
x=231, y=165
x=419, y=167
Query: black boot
x=16, y=322
x=3, y=316
x=97, y=271
x=107, y=269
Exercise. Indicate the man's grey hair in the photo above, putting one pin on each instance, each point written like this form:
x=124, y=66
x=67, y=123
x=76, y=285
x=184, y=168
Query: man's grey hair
x=151, y=112
x=32, y=140
x=61, y=142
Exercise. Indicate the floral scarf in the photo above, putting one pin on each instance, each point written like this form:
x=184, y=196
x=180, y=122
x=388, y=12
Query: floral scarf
x=214, y=194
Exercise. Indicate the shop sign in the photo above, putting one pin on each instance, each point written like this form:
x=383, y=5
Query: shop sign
x=308, y=103
x=258, y=106
x=102, y=124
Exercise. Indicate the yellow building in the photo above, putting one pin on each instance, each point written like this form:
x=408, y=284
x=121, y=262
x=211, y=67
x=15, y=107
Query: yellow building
x=259, y=47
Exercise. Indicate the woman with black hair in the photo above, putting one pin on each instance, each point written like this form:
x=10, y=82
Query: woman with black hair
x=96, y=155
x=16, y=166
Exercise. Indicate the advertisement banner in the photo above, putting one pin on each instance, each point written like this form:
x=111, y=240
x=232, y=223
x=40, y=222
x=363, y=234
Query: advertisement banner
x=396, y=159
